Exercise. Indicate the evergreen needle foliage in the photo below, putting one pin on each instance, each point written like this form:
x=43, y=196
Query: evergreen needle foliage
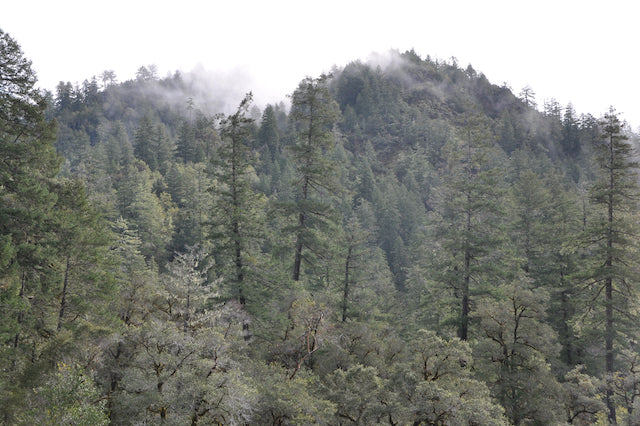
x=405, y=243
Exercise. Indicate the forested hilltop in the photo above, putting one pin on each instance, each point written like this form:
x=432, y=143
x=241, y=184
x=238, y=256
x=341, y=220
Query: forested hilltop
x=400, y=242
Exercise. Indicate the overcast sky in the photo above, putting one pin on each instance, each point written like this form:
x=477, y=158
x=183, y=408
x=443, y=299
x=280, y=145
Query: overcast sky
x=584, y=52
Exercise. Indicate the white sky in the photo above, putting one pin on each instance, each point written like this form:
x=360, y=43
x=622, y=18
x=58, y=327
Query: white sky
x=584, y=52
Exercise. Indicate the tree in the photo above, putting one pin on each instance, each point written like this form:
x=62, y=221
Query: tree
x=389, y=220
x=177, y=365
x=612, y=283
x=313, y=114
x=284, y=401
x=468, y=228
x=582, y=401
x=108, y=78
x=186, y=289
x=366, y=281
x=237, y=208
x=152, y=145
x=514, y=357
x=528, y=97
x=186, y=142
x=28, y=158
x=147, y=74
x=82, y=260
x=570, y=132
x=545, y=225
x=436, y=386
x=188, y=186
x=143, y=143
x=68, y=396
x=28, y=167
x=269, y=135
x=358, y=393
x=147, y=211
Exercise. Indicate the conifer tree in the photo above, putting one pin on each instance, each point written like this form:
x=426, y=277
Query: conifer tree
x=143, y=148
x=313, y=114
x=28, y=166
x=469, y=231
x=236, y=210
x=82, y=260
x=268, y=135
x=188, y=186
x=186, y=142
x=613, y=279
x=570, y=132
x=545, y=222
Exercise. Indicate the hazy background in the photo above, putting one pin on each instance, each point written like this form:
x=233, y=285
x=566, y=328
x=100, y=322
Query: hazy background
x=575, y=51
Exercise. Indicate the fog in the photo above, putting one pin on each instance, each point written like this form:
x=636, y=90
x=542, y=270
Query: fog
x=571, y=51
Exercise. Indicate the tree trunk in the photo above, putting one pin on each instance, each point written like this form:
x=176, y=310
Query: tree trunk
x=345, y=294
x=463, y=331
x=23, y=281
x=609, y=329
x=297, y=261
x=65, y=289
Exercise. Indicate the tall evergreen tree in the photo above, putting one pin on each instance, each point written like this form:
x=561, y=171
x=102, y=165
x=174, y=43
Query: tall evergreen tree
x=82, y=260
x=144, y=148
x=545, y=223
x=268, y=135
x=28, y=230
x=313, y=115
x=613, y=279
x=470, y=207
x=186, y=142
x=236, y=217
x=570, y=132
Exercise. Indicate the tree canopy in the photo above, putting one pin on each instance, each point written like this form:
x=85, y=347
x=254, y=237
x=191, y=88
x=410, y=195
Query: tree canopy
x=397, y=244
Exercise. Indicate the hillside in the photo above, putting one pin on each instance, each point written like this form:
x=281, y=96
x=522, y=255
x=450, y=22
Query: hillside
x=402, y=242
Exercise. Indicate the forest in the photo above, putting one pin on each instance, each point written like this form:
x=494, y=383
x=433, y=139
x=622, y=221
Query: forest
x=399, y=243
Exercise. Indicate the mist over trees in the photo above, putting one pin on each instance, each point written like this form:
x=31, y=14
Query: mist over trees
x=400, y=242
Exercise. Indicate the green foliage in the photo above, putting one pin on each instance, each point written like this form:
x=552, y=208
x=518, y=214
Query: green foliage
x=313, y=115
x=68, y=396
x=515, y=354
x=237, y=211
x=416, y=201
x=284, y=400
x=468, y=228
x=358, y=394
x=188, y=186
x=438, y=387
x=583, y=401
x=47, y=227
x=612, y=282
x=145, y=209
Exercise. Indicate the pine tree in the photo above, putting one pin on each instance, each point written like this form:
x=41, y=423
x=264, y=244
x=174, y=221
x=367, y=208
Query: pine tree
x=237, y=208
x=188, y=186
x=186, y=143
x=613, y=280
x=82, y=260
x=268, y=135
x=570, y=132
x=144, y=146
x=28, y=166
x=366, y=282
x=469, y=230
x=138, y=204
x=313, y=114
x=545, y=224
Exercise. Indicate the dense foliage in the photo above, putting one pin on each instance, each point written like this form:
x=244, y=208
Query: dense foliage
x=404, y=243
